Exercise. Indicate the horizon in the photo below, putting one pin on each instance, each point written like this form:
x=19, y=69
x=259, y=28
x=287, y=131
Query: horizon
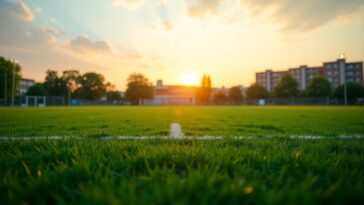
x=180, y=41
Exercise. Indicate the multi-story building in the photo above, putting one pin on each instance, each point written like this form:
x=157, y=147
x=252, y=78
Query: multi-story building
x=269, y=79
x=304, y=74
x=340, y=71
x=24, y=85
x=337, y=72
x=180, y=94
x=172, y=95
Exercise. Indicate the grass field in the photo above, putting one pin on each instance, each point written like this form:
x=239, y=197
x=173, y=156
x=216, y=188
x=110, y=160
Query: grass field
x=90, y=170
x=195, y=121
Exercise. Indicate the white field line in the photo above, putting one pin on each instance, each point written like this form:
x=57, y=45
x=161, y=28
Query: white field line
x=176, y=131
x=108, y=138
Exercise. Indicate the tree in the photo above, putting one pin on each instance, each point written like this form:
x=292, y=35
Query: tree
x=55, y=85
x=91, y=86
x=203, y=94
x=138, y=89
x=71, y=78
x=37, y=90
x=7, y=68
x=219, y=98
x=113, y=96
x=109, y=87
x=287, y=87
x=318, y=87
x=353, y=91
x=257, y=91
x=235, y=95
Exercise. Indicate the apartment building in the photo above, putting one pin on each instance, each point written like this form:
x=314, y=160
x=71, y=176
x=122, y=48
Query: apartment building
x=340, y=71
x=24, y=85
x=269, y=79
x=337, y=72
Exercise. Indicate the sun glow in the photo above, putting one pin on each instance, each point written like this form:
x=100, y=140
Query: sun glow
x=189, y=79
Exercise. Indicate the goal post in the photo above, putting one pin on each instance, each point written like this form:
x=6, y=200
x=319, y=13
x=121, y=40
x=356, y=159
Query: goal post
x=36, y=101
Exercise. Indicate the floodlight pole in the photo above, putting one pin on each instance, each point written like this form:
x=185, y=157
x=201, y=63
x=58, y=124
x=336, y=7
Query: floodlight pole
x=5, y=87
x=345, y=94
x=342, y=67
x=13, y=84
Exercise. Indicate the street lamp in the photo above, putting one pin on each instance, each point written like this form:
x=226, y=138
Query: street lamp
x=343, y=73
x=14, y=61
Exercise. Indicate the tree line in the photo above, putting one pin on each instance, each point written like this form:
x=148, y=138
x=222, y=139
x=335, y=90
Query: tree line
x=316, y=87
x=286, y=88
x=72, y=84
x=92, y=86
x=140, y=88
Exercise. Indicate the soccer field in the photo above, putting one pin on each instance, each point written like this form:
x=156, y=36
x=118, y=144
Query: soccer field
x=194, y=121
x=81, y=167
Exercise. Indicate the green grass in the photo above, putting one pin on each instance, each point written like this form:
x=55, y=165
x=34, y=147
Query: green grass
x=88, y=170
x=195, y=121
x=275, y=171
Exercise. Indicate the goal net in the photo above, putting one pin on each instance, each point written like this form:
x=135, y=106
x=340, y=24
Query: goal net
x=36, y=101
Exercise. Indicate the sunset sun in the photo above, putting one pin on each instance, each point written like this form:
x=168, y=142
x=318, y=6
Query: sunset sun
x=189, y=79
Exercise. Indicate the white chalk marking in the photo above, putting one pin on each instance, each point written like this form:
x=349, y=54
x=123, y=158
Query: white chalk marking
x=180, y=136
x=176, y=131
x=107, y=138
x=34, y=138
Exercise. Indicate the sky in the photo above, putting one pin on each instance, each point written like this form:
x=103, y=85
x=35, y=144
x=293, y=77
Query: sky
x=179, y=40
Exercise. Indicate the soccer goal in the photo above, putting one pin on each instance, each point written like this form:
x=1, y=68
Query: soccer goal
x=36, y=101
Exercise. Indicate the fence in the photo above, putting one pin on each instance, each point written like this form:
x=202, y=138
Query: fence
x=299, y=101
x=291, y=101
x=303, y=101
x=40, y=101
x=35, y=101
x=76, y=102
x=61, y=101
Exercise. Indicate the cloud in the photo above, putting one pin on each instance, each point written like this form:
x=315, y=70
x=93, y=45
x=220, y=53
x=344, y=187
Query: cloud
x=130, y=4
x=85, y=45
x=302, y=16
x=163, y=25
x=289, y=15
x=39, y=48
x=16, y=18
x=19, y=11
x=204, y=8
x=54, y=31
x=26, y=12
x=39, y=10
x=168, y=25
x=160, y=2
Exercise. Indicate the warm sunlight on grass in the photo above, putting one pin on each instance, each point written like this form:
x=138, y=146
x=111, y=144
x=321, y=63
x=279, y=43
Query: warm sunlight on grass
x=189, y=79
